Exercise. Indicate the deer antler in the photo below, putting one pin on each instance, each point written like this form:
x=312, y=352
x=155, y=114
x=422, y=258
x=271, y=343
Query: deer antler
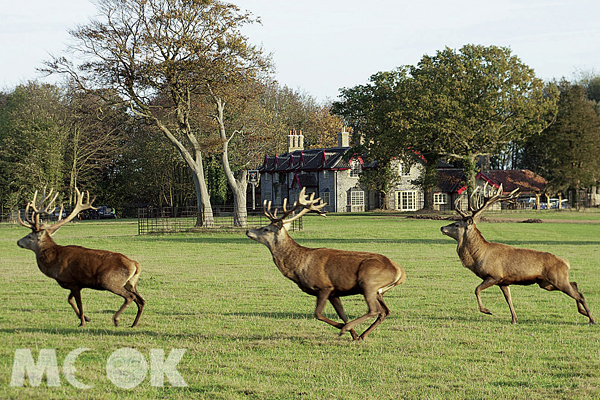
x=32, y=220
x=307, y=205
x=489, y=201
x=79, y=207
x=479, y=202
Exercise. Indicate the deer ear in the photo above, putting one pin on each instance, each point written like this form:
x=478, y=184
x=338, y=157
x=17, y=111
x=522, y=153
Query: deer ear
x=287, y=226
x=469, y=221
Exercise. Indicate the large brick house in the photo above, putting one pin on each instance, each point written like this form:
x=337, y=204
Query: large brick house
x=333, y=174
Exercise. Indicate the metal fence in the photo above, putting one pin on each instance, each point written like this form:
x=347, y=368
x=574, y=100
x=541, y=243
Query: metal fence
x=177, y=219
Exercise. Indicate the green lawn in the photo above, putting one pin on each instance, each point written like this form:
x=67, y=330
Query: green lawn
x=249, y=332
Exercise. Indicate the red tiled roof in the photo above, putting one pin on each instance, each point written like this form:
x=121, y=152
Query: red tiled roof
x=525, y=180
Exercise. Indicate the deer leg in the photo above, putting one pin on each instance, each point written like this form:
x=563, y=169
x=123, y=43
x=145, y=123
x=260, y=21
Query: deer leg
x=77, y=295
x=488, y=282
x=128, y=296
x=544, y=284
x=572, y=291
x=322, y=298
x=72, y=303
x=579, y=306
x=140, y=305
x=337, y=304
x=380, y=317
x=374, y=311
x=506, y=291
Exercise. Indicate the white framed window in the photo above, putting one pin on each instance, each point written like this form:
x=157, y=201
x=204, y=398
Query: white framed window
x=357, y=198
x=440, y=198
x=404, y=170
x=325, y=198
x=355, y=169
x=407, y=200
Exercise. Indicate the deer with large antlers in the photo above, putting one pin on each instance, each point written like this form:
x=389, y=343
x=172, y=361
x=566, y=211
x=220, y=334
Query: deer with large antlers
x=329, y=274
x=503, y=265
x=75, y=267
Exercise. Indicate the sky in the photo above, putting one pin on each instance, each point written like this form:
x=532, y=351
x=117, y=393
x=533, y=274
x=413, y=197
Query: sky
x=321, y=46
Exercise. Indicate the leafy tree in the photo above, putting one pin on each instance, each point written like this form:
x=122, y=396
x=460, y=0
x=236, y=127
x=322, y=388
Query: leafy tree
x=567, y=153
x=457, y=104
x=295, y=110
x=95, y=136
x=33, y=135
x=380, y=179
x=476, y=101
x=591, y=82
x=379, y=115
x=146, y=170
x=177, y=49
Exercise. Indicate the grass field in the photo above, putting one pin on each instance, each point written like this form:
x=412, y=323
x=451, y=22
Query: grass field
x=249, y=333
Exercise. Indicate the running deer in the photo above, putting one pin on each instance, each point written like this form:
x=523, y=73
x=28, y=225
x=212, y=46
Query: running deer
x=326, y=273
x=503, y=265
x=75, y=267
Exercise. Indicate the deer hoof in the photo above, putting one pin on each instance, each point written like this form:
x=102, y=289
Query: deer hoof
x=87, y=319
x=485, y=311
x=116, y=322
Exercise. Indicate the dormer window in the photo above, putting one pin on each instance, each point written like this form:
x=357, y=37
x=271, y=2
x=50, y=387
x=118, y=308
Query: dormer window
x=355, y=169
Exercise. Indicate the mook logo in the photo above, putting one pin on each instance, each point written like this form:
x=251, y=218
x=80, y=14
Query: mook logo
x=126, y=368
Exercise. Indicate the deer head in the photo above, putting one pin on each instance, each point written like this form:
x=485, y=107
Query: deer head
x=268, y=235
x=478, y=203
x=35, y=210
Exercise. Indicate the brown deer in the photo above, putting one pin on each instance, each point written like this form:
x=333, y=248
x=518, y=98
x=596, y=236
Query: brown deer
x=75, y=267
x=503, y=265
x=326, y=273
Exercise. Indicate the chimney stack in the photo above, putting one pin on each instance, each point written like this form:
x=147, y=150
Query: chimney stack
x=343, y=138
x=295, y=141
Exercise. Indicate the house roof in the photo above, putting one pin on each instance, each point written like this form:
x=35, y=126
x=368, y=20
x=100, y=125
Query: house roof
x=451, y=180
x=525, y=180
x=307, y=160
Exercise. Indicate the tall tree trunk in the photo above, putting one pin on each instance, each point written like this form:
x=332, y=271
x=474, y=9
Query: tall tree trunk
x=205, y=215
x=430, y=181
x=470, y=171
x=239, y=185
x=196, y=165
x=385, y=199
x=240, y=217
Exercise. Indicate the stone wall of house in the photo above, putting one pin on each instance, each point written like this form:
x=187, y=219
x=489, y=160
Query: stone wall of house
x=327, y=189
x=334, y=187
x=406, y=186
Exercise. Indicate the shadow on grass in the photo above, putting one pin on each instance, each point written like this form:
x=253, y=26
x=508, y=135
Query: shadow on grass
x=115, y=331
x=504, y=320
x=195, y=335
x=329, y=241
x=272, y=315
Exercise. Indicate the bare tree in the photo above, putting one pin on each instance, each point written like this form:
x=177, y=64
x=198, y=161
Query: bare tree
x=173, y=49
x=95, y=134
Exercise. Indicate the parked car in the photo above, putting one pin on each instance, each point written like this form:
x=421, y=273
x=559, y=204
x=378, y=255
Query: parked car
x=554, y=204
x=103, y=212
x=527, y=202
x=56, y=212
